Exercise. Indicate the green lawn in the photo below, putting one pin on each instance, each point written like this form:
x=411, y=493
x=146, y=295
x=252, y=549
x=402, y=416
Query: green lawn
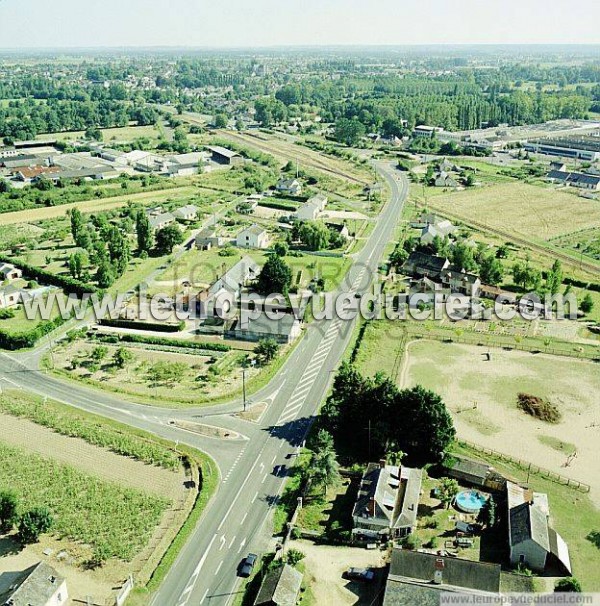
x=203, y=267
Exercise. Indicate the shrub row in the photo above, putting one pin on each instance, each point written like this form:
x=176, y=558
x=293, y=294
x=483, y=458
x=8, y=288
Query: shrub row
x=66, y=283
x=24, y=340
x=163, y=341
x=278, y=205
x=137, y=325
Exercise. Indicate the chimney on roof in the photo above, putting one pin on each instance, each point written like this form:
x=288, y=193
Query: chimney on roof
x=382, y=463
x=371, y=507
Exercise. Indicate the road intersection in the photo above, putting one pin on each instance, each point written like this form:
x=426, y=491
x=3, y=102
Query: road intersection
x=253, y=467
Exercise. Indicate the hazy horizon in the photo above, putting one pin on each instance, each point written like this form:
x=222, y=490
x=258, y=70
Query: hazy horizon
x=197, y=24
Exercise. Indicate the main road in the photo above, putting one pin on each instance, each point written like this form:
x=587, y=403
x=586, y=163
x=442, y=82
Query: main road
x=254, y=466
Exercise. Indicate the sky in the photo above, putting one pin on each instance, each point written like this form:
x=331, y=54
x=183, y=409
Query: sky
x=247, y=23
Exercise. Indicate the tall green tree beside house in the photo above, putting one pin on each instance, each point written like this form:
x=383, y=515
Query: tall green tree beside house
x=143, y=232
x=275, y=277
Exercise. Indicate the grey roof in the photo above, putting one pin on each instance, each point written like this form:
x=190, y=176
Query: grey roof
x=255, y=229
x=425, y=263
x=470, y=467
x=399, y=593
x=283, y=325
x=280, y=587
x=245, y=269
x=468, y=574
x=559, y=549
x=395, y=491
x=33, y=587
x=455, y=273
x=575, y=178
x=223, y=151
x=189, y=208
x=527, y=522
x=157, y=220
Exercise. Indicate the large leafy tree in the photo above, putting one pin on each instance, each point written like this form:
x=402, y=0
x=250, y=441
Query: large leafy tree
x=167, y=238
x=314, y=235
x=371, y=416
x=275, y=277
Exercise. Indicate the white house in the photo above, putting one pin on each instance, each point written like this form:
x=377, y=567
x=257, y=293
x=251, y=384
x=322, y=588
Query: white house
x=289, y=186
x=9, y=296
x=308, y=212
x=186, y=213
x=9, y=272
x=38, y=585
x=161, y=220
x=253, y=237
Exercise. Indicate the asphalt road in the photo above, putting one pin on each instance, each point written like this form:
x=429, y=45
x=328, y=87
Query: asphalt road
x=253, y=468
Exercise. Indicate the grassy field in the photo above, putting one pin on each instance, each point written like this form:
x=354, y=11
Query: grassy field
x=202, y=267
x=122, y=134
x=535, y=212
x=85, y=508
x=98, y=205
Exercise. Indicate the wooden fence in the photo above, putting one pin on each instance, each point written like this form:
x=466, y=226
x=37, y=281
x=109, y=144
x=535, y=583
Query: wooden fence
x=529, y=467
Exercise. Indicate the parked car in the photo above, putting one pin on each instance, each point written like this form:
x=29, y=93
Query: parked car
x=359, y=574
x=247, y=565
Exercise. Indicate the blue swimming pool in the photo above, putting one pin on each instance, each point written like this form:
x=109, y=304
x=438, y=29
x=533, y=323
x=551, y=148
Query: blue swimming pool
x=470, y=501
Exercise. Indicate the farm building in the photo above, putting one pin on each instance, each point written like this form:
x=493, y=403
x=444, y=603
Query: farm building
x=575, y=179
x=222, y=155
x=280, y=587
x=444, y=179
x=388, y=500
x=423, y=265
x=208, y=238
x=532, y=542
x=38, y=585
x=419, y=578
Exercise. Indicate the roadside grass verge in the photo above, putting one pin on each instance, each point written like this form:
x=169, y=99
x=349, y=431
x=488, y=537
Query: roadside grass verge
x=209, y=478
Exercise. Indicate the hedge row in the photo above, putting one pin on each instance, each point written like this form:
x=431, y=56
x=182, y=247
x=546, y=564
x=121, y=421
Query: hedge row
x=163, y=341
x=278, y=205
x=23, y=340
x=67, y=284
x=137, y=325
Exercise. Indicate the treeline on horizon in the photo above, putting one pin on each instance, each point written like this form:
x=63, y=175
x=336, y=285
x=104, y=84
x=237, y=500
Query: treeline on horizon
x=53, y=97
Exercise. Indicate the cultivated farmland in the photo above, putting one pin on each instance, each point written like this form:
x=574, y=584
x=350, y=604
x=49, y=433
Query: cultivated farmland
x=528, y=211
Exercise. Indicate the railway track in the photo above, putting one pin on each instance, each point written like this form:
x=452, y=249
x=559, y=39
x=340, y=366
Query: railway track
x=253, y=140
x=592, y=269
